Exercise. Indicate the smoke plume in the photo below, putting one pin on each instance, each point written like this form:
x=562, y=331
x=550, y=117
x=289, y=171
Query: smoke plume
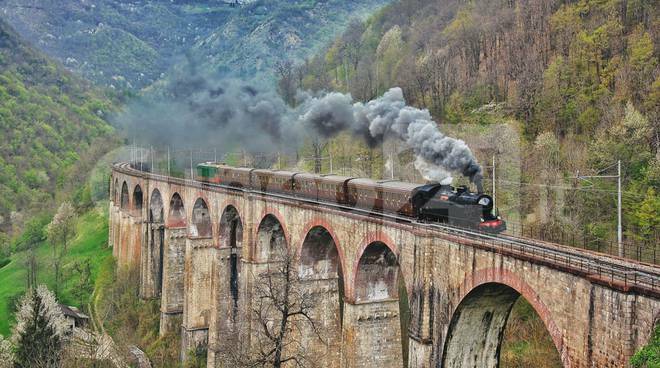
x=437, y=154
x=199, y=111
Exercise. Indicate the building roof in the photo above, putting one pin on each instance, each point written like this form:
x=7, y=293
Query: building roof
x=73, y=312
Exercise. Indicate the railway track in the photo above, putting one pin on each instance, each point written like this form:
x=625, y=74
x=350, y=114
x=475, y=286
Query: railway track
x=600, y=267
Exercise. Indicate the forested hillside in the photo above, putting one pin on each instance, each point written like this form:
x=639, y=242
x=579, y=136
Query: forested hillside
x=119, y=43
x=132, y=44
x=546, y=89
x=579, y=81
x=52, y=127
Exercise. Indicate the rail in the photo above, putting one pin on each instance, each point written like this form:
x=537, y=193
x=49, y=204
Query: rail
x=601, y=268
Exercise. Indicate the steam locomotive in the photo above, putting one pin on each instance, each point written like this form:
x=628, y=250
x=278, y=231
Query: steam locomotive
x=430, y=202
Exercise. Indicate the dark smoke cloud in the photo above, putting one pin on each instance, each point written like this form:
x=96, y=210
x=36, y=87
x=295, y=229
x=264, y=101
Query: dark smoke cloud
x=199, y=111
x=206, y=112
x=436, y=153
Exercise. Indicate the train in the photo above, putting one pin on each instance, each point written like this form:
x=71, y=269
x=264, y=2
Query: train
x=431, y=202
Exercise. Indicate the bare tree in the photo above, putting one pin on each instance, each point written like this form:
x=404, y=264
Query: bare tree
x=281, y=317
x=286, y=84
x=60, y=231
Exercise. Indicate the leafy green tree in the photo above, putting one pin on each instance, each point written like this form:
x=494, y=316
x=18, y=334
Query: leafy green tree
x=642, y=62
x=646, y=216
x=40, y=330
x=649, y=356
x=83, y=285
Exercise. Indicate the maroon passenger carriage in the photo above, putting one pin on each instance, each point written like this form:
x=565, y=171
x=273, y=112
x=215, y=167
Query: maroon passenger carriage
x=430, y=202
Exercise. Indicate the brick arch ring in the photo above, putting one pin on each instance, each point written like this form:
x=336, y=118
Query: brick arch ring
x=221, y=212
x=191, y=208
x=275, y=213
x=226, y=204
x=510, y=279
x=150, y=196
x=198, y=195
x=168, y=206
x=319, y=222
x=372, y=237
x=128, y=184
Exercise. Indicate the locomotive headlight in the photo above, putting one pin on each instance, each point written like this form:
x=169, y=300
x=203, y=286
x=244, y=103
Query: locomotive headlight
x=481, y=219
x=499, y=217
x=484, y=201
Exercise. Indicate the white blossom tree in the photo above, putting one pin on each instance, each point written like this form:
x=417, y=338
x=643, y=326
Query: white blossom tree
x=60, y=231
x=6, y=353
x=40, y=330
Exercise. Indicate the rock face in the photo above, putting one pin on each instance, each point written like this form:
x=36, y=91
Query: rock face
x=364, y=270
x=127, y=44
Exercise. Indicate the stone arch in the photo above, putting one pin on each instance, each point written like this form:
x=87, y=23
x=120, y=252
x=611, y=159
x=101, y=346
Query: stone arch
x=319, y=255
x=477, y=325
x=271, y=238
x=115, y=196
x=156, y=240
x=177, y=214
x=137, y=198
x=200, y=224
x=125, y=200
x=378, y=278
x=321, y=268
x=230, y=229
x=156, y=207
x=376, y=273
x=231, y=236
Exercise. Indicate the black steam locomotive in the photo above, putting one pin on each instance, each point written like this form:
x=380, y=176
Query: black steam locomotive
x=431, y=202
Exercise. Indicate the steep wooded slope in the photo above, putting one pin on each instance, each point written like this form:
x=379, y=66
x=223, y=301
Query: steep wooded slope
x=50, y=121
x=131, y=44
x=580, y=80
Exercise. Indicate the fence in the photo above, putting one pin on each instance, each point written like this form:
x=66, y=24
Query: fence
x=182, y=164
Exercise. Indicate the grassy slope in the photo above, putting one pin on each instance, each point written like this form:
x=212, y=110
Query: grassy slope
x=90, y=243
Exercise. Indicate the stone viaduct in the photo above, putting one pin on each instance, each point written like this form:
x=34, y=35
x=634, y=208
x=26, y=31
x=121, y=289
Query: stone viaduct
x=199, y=247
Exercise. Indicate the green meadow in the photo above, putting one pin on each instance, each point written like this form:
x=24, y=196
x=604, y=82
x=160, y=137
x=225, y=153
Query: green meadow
x=89, y=245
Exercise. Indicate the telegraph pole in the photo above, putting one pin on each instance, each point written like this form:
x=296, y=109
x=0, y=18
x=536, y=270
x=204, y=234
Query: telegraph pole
x=192, y=174
x=619, y=227
x=619, y=233
x=494, y=200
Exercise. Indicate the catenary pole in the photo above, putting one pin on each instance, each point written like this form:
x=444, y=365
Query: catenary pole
x=494, y=196
x=192, y=175
x=619, y=233
x=619, y=209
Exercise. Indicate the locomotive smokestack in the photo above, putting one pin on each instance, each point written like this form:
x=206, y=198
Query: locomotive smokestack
x=478, y=181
